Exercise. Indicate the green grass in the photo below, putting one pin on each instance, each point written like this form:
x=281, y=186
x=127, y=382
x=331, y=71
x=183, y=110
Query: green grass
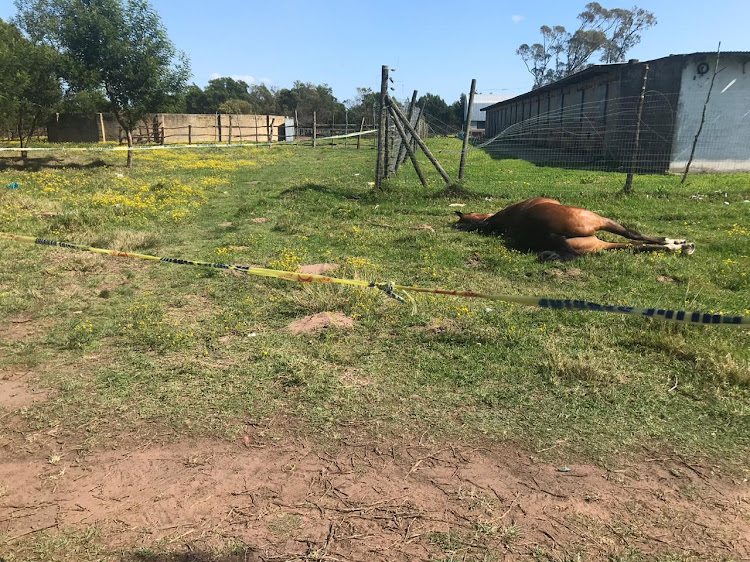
x=129, y=346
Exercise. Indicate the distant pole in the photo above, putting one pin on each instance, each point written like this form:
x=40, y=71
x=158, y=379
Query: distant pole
x=315, y=128
x=467, y=129
x=405, y=142
x=628, y=187
x=421, y=144
x=382, y=128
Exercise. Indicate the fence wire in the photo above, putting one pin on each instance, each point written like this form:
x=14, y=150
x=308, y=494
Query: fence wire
x=607, y=134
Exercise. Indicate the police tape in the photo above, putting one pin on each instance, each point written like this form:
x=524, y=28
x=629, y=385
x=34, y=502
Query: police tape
x=391, y=289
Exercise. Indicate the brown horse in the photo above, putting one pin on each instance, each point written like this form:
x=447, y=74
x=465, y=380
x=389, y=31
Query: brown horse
x=561, y=232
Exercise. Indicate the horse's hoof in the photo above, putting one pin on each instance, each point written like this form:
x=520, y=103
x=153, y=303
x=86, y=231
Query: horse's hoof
x=549, y=255
x=688, y=248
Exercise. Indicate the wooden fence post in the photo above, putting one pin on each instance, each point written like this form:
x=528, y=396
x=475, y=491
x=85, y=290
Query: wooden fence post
x=421, y=144
x=359, y=138
x=315, y=129
x=402, y=150
x=218, y=121
x=405, y=143
x=467, y=129
x=270, y=132
x=101, y=127
x=628, y=187
x=229, y=138
x=382, y=128
x=162, y=135
x=296, y=128
x=190, y=134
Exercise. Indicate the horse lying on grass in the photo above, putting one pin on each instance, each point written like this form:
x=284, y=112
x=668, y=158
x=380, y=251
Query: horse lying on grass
x=561, y=232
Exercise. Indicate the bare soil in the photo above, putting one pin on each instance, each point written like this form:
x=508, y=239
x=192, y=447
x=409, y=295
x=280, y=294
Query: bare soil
x=286, y=498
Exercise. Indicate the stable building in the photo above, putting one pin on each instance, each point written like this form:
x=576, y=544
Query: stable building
x=590, y=119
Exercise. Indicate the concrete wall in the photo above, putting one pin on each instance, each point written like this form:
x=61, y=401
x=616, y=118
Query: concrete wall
x=173, y=127
x=724, y=143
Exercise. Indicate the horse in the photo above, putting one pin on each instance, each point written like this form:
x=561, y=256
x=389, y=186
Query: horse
x=561, y=232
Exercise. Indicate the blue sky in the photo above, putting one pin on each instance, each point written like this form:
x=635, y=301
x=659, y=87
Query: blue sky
x=435, y=46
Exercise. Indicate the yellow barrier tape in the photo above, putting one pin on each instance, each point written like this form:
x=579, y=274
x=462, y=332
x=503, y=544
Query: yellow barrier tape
x=389, y=288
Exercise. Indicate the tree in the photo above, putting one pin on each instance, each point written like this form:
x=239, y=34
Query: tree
x=612, y=33
x=443, y=118
x=28, y=81
x=119, y=46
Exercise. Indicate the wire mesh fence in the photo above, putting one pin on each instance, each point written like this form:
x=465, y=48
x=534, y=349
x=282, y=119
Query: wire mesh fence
x=607, y=135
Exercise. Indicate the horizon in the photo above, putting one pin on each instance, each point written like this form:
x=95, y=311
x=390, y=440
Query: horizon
x=336, y=43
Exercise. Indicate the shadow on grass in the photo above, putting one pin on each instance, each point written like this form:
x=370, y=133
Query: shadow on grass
x=247, y=555
x=46, y=163
x=319, y=188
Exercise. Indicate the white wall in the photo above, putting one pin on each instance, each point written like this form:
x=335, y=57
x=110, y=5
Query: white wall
x=724, y=142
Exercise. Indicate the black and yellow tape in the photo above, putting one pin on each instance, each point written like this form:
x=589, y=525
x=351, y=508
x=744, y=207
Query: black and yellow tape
x=678, y=316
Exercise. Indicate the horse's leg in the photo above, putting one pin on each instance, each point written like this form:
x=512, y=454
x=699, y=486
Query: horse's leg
x=592, y=244
x=557, y=248
x=616, y=228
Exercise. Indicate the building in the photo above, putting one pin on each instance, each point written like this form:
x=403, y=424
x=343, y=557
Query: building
x=590, y=119
x=481, y=101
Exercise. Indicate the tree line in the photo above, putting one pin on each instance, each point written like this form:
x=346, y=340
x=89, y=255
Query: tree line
x=87, y=56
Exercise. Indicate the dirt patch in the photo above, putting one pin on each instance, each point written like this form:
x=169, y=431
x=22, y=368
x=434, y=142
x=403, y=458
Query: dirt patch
x=563, y=274
x=287, y=499
x=15, y=392
x=320, y=321
x=319, y=268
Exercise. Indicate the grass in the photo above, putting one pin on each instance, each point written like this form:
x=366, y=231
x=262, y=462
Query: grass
x=127, y=346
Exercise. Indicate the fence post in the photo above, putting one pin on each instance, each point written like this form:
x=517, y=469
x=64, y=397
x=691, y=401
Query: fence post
x=401, y=158
x=467, y=129
x=405, y=142
x=101, y=127
x=218, y=121
x=229, y=138
x=296, y=128
x=382, y=128
x=703, y=116
x=315, y=128
x=628, y=187
x=270, y=132
x=421, y=143
x=359, y=138
x=162, y=135
x=190, y=134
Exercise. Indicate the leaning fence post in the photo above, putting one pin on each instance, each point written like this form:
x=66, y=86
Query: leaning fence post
x=402, y=150
x=421, y=143
x=467, y=129
x=405, y=142
x=703, y=116
x=628, y=187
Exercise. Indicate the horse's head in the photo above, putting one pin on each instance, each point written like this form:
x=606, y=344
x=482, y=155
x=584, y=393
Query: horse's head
x=471, y=221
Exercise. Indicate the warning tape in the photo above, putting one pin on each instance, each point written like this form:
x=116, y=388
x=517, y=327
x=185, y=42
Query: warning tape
x=390, y=288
